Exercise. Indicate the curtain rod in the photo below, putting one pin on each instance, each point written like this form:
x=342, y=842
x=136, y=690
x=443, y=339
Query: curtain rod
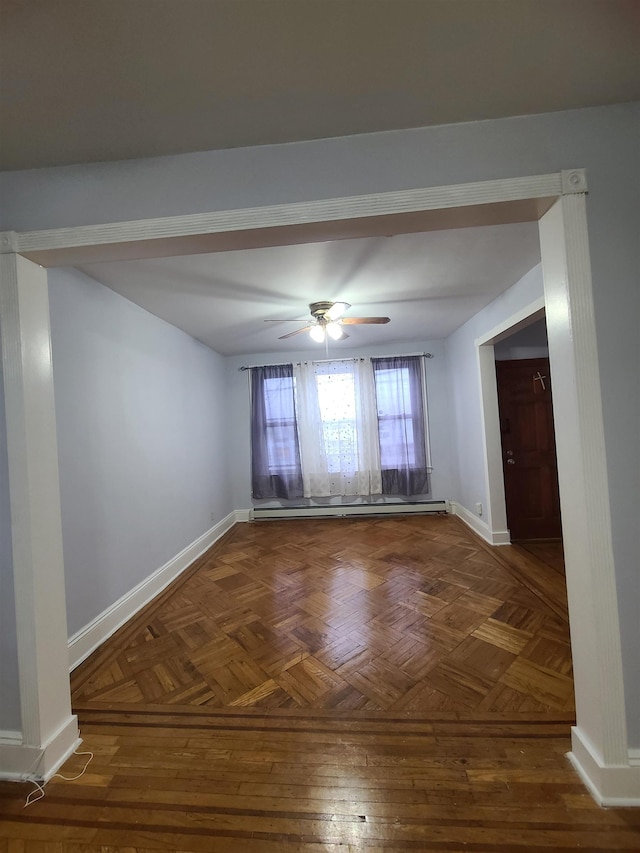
x=325, y=360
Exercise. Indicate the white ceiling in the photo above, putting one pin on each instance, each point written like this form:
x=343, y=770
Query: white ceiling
x=90, y=80
x=93, y=80
x=427, y=283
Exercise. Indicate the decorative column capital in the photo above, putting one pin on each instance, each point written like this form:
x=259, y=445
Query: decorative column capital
x=574, y=181
x=8, y=242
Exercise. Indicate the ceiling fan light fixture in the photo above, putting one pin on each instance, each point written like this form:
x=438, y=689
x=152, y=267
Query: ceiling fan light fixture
x=327, y=322
x=334, y=331
x=336, y=310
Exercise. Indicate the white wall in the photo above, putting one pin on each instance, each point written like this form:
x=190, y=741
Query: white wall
x=327, y=168
x=9, y=689
x=465, y=383
x=530, y=342
x=604, y=141
x=443, y=478
x=141, y=433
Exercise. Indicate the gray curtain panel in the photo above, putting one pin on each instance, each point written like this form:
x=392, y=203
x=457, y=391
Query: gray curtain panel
x=275, y=451
x=401, y=425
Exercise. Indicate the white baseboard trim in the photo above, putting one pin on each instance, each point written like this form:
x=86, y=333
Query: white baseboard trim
x=87, y=639
x=493, y=537
x=243, y=515
x=20, y=762
x=609, y=785
x=634, y=757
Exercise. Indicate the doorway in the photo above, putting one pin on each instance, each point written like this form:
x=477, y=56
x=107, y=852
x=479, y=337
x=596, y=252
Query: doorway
x=527, y=435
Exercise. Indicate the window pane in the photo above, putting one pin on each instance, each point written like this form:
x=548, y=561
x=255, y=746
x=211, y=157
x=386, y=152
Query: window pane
x=278, y=398
x=281, y=433
x=397, y=444
x=393, y=392
x=281, y=446
x=401, y=424
x=275, y=453
x=336, y=395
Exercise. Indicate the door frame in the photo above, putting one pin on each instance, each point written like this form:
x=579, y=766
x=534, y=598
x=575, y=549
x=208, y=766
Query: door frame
x=557, y=201
x=498, y=533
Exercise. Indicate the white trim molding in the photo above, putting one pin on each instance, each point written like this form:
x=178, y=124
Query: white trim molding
x=8, y=242
x=52, y=247
x=10, y=736
x=610, y=785
x=20, y=762
x=493, y=537
x=518, y=320
x=87, y=639
x=420, y=209
x=584, y=495
x=574, y=181
x=47, y=724
x=496, y=504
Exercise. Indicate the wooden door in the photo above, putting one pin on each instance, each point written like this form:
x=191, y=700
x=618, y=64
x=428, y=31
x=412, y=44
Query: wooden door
x=528, y=449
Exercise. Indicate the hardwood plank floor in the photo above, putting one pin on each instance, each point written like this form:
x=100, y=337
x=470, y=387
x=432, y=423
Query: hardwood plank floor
x=387, y=684
x=550, y=552
x=188, y=779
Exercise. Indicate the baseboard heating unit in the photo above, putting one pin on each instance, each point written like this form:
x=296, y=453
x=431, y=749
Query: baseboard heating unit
x=339, y=510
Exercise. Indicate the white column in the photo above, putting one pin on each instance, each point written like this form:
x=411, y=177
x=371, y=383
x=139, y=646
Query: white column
x=496, y=509
x=599, y=740
x=49, y=730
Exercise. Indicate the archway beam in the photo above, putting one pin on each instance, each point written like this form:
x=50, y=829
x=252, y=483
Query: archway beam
x=431, y=208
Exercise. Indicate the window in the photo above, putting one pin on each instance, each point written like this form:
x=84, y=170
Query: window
x=344, y=427
x=280, y=423
x=275, y=452
x=395, y=423
x=336, y=399
x=401, y=424
x=335, y=406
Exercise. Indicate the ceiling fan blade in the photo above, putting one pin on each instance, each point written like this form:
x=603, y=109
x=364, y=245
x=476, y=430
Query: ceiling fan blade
x=337, y=310
x=357, y=321
x=296, y=332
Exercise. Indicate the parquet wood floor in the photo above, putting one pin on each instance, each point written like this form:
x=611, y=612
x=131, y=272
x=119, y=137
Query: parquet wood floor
x=389, y=684
x=401, y=613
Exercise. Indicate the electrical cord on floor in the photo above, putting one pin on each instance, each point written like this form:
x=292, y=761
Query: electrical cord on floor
x=27, y=776
x=39, y=789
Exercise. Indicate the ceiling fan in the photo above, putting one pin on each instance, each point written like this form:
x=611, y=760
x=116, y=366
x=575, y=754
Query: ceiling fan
x=327, y=321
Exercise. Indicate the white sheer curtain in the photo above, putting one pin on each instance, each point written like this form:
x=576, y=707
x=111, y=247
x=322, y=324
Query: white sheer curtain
x=338, y=428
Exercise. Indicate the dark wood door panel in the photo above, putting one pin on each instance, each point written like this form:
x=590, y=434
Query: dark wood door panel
x=528, y=449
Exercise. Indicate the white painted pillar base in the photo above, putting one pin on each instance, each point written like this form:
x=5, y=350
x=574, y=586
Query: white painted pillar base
x=49, y=729
x=609, y=784
x=20, y=761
